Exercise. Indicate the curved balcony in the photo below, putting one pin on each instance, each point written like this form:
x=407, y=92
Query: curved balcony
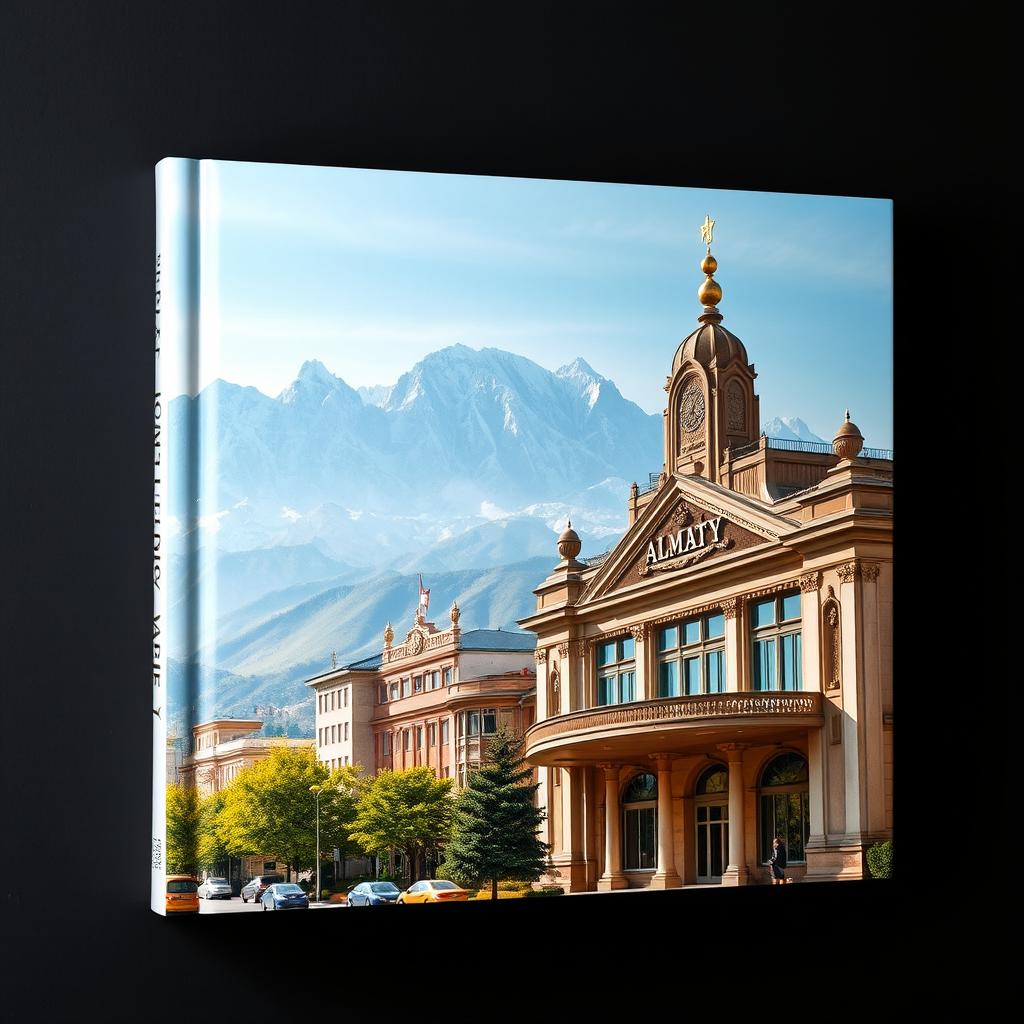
x=672, y=724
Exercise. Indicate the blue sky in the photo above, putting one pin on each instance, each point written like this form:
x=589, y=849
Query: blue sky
x=368, y=271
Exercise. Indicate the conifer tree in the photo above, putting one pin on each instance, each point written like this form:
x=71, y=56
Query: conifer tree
x=496, y=820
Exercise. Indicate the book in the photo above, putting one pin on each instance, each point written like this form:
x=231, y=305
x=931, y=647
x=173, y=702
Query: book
x=468, y=486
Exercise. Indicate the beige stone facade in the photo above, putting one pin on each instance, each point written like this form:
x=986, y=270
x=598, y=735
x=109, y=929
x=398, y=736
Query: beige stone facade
x=724, y=675
x=432, y=699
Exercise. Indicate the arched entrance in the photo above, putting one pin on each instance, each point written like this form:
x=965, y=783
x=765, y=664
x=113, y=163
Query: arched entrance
x=711, y=806
x=784, y=806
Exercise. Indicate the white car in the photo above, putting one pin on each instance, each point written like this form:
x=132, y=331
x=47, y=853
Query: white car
x=215, y=889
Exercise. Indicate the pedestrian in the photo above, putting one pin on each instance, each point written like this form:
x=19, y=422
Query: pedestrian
x=778, y=861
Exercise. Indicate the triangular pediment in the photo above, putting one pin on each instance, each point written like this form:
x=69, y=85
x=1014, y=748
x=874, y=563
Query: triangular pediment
x=689, y=523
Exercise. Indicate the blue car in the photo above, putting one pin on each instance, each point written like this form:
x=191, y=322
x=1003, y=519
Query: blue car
x=284, y=896
x=373, y=894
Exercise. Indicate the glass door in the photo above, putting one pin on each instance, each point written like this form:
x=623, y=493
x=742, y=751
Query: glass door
x=712, y=841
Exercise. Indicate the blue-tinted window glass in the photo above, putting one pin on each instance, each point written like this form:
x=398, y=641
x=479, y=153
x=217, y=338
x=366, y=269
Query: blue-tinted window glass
x=605, y=654
x=791, y=606
x=764, y=665
x=628, y=649
x=627, y=684
x=691, y=672
x=691, y=632
x=715, y=671
x=790, y=650
x=716, y=626
x=668, y=638
x=606, y=690
x=763, y=613
x=668, y=679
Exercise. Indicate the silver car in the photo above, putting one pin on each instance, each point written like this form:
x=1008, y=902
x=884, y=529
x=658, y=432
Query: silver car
x=215, y=889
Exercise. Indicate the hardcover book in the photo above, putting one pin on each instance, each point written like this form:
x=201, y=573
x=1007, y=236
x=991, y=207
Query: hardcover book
x=486, y=565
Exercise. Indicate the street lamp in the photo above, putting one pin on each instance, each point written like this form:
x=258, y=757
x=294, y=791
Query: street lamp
x=316, y=791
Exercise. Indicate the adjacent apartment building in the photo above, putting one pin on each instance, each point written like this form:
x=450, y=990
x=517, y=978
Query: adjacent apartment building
x=432, y=699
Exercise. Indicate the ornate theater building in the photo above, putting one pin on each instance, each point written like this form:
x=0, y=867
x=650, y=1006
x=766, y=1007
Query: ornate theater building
x=724, y=674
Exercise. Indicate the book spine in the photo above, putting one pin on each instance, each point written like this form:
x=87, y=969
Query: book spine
x=176, y=313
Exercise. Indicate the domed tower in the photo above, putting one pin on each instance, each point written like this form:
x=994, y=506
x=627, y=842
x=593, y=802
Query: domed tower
x=711, y=400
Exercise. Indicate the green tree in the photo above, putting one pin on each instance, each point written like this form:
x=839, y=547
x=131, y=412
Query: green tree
x=269, y=810
x=407, y=810
x=494, y=834
x=211, y=849
x=183, y=829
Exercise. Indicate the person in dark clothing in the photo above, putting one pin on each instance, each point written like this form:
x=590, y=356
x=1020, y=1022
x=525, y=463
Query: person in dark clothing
x=778, y=861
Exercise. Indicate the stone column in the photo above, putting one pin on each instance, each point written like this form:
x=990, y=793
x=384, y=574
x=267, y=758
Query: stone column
x=853, y=696
x=733, y=654
x=577, y=867
x=646, y=686
x=613, y=878
x=810, y=630
x=666, y=877
x=874, y=757
x=736, y=872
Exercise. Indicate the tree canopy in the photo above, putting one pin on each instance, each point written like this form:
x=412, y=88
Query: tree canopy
x=183, y=829
x=408, y=810
x=496, y=822
x=268, y=808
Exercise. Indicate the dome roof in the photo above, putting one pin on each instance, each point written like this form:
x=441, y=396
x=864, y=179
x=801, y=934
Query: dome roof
x=711, y=342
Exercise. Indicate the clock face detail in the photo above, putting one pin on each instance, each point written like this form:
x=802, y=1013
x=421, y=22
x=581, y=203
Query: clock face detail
x=691, y=408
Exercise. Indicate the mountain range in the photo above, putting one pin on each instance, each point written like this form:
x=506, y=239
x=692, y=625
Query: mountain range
x=327, y=501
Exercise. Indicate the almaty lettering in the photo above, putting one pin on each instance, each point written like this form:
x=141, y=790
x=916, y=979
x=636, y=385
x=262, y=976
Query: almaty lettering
x=690, y=539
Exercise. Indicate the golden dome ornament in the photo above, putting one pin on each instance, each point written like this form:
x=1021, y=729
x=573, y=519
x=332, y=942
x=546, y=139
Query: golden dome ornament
x=710, y=292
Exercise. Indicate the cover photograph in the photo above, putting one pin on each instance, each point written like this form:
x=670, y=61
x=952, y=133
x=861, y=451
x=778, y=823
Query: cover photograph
x=516, y=539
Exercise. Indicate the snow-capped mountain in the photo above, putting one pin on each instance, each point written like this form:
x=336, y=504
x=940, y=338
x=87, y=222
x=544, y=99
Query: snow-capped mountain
x=383, y=470
x=790, y=428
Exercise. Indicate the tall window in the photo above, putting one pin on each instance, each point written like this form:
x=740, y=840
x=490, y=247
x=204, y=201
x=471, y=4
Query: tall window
x=435, y=679
x=775, y=629
x=419, y=737
x=479, y=723
x=432, y=734
x=418, y=684
x=332, y=700
x=448, y=677
x=395, y=693
x=784, y=812
x=444, y=731
x=616, y=671
x=346, y=730
x=407, y=737
x=334, y=734
x=386, y=743
x=640, y=823
x=345, y=696
x=691, y=656
x=406, y=686
x=383, y=693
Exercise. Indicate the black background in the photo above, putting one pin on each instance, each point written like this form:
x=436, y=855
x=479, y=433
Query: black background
x=91, y=97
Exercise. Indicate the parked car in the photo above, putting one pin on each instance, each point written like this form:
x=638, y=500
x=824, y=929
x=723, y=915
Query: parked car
x=254, y=889
x=433, y=890
x=373, y=894
x=215, y=889
x=182, y=895
x=285, y=896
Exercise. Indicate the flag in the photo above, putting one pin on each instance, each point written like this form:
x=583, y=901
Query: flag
x=424, y=598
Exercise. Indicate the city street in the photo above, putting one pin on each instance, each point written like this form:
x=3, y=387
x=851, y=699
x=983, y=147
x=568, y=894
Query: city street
x=236, y=906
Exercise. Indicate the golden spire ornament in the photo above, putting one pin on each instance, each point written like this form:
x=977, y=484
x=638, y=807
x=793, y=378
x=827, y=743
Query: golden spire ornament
x=710, y=293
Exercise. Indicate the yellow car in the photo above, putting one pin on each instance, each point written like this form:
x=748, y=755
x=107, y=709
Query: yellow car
x=182, y=894
x=433, y=890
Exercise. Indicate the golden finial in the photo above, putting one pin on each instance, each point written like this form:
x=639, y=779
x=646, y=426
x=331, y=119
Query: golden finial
x=707, y=230
x=710, y=293
x=389, y=635
x=455, y=613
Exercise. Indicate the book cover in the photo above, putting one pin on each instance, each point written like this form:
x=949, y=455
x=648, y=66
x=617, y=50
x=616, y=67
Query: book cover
x=486, y=562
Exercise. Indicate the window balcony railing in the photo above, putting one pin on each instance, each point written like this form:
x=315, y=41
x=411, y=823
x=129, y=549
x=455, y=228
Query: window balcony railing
x=815, y=447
